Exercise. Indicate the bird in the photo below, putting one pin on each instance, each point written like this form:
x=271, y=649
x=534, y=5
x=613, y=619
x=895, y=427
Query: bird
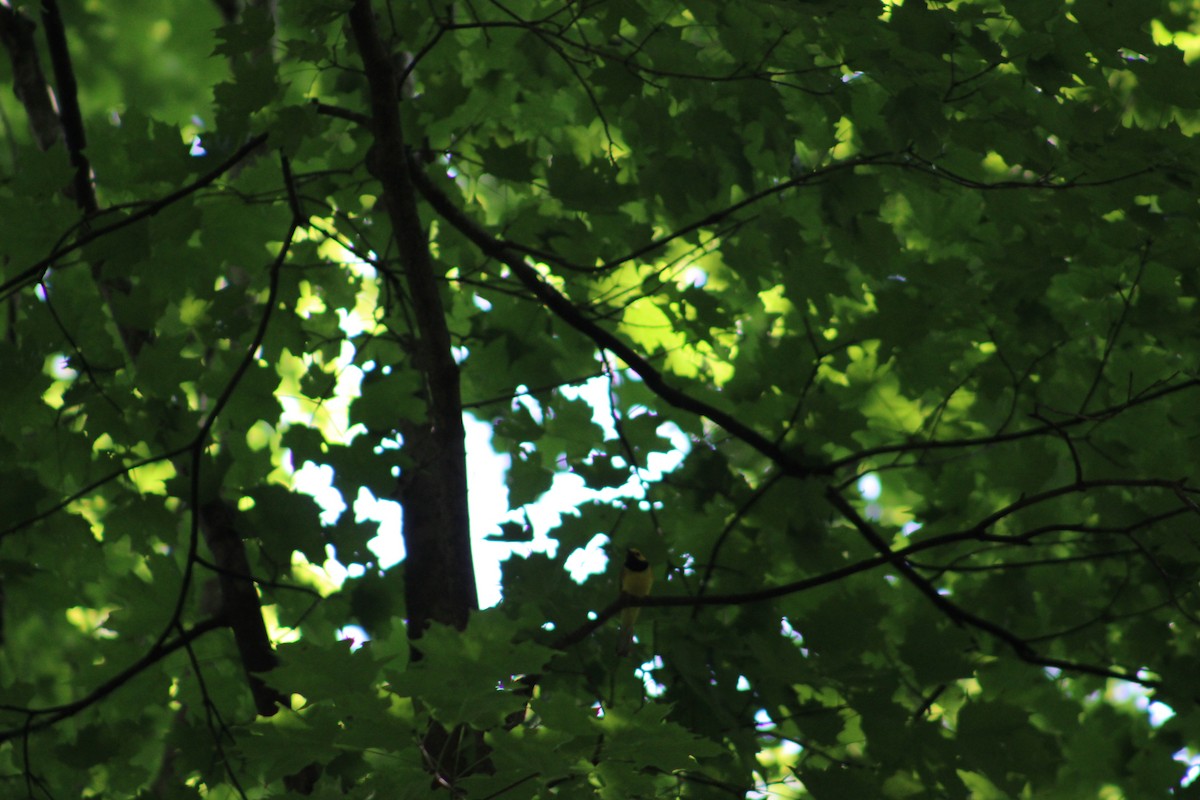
x=636, y=579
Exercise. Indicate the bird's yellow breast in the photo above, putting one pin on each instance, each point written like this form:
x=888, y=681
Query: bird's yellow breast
x=636, y=576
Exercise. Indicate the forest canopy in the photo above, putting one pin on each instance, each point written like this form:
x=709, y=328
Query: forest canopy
x=913, y=283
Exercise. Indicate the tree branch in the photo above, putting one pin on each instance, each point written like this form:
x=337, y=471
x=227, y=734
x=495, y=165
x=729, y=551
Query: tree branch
x=961, y=616
x=35, y=271
x=55, y=714
x=1100, y=415
x=68, y=105
x=29, y=82
x=565, y=310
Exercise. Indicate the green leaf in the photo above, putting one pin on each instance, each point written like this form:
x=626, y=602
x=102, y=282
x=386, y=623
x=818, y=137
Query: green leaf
x=892, y=308
x=462, y=676
x=512, y=532
x=600, y=472
x=527, y=481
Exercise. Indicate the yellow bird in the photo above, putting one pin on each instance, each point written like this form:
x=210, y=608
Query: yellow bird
x=636, y=580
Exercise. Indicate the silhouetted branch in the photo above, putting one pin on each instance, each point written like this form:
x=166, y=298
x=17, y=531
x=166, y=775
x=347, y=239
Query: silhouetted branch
x=1100, y=415
x=567, y=311
x=67, y=95
x=34, y=272
x=964, y=618
x=41, y=718
x=29, y=82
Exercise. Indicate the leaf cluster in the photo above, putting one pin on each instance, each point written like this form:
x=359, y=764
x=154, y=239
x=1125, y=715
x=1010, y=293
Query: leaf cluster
x=915, y=283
